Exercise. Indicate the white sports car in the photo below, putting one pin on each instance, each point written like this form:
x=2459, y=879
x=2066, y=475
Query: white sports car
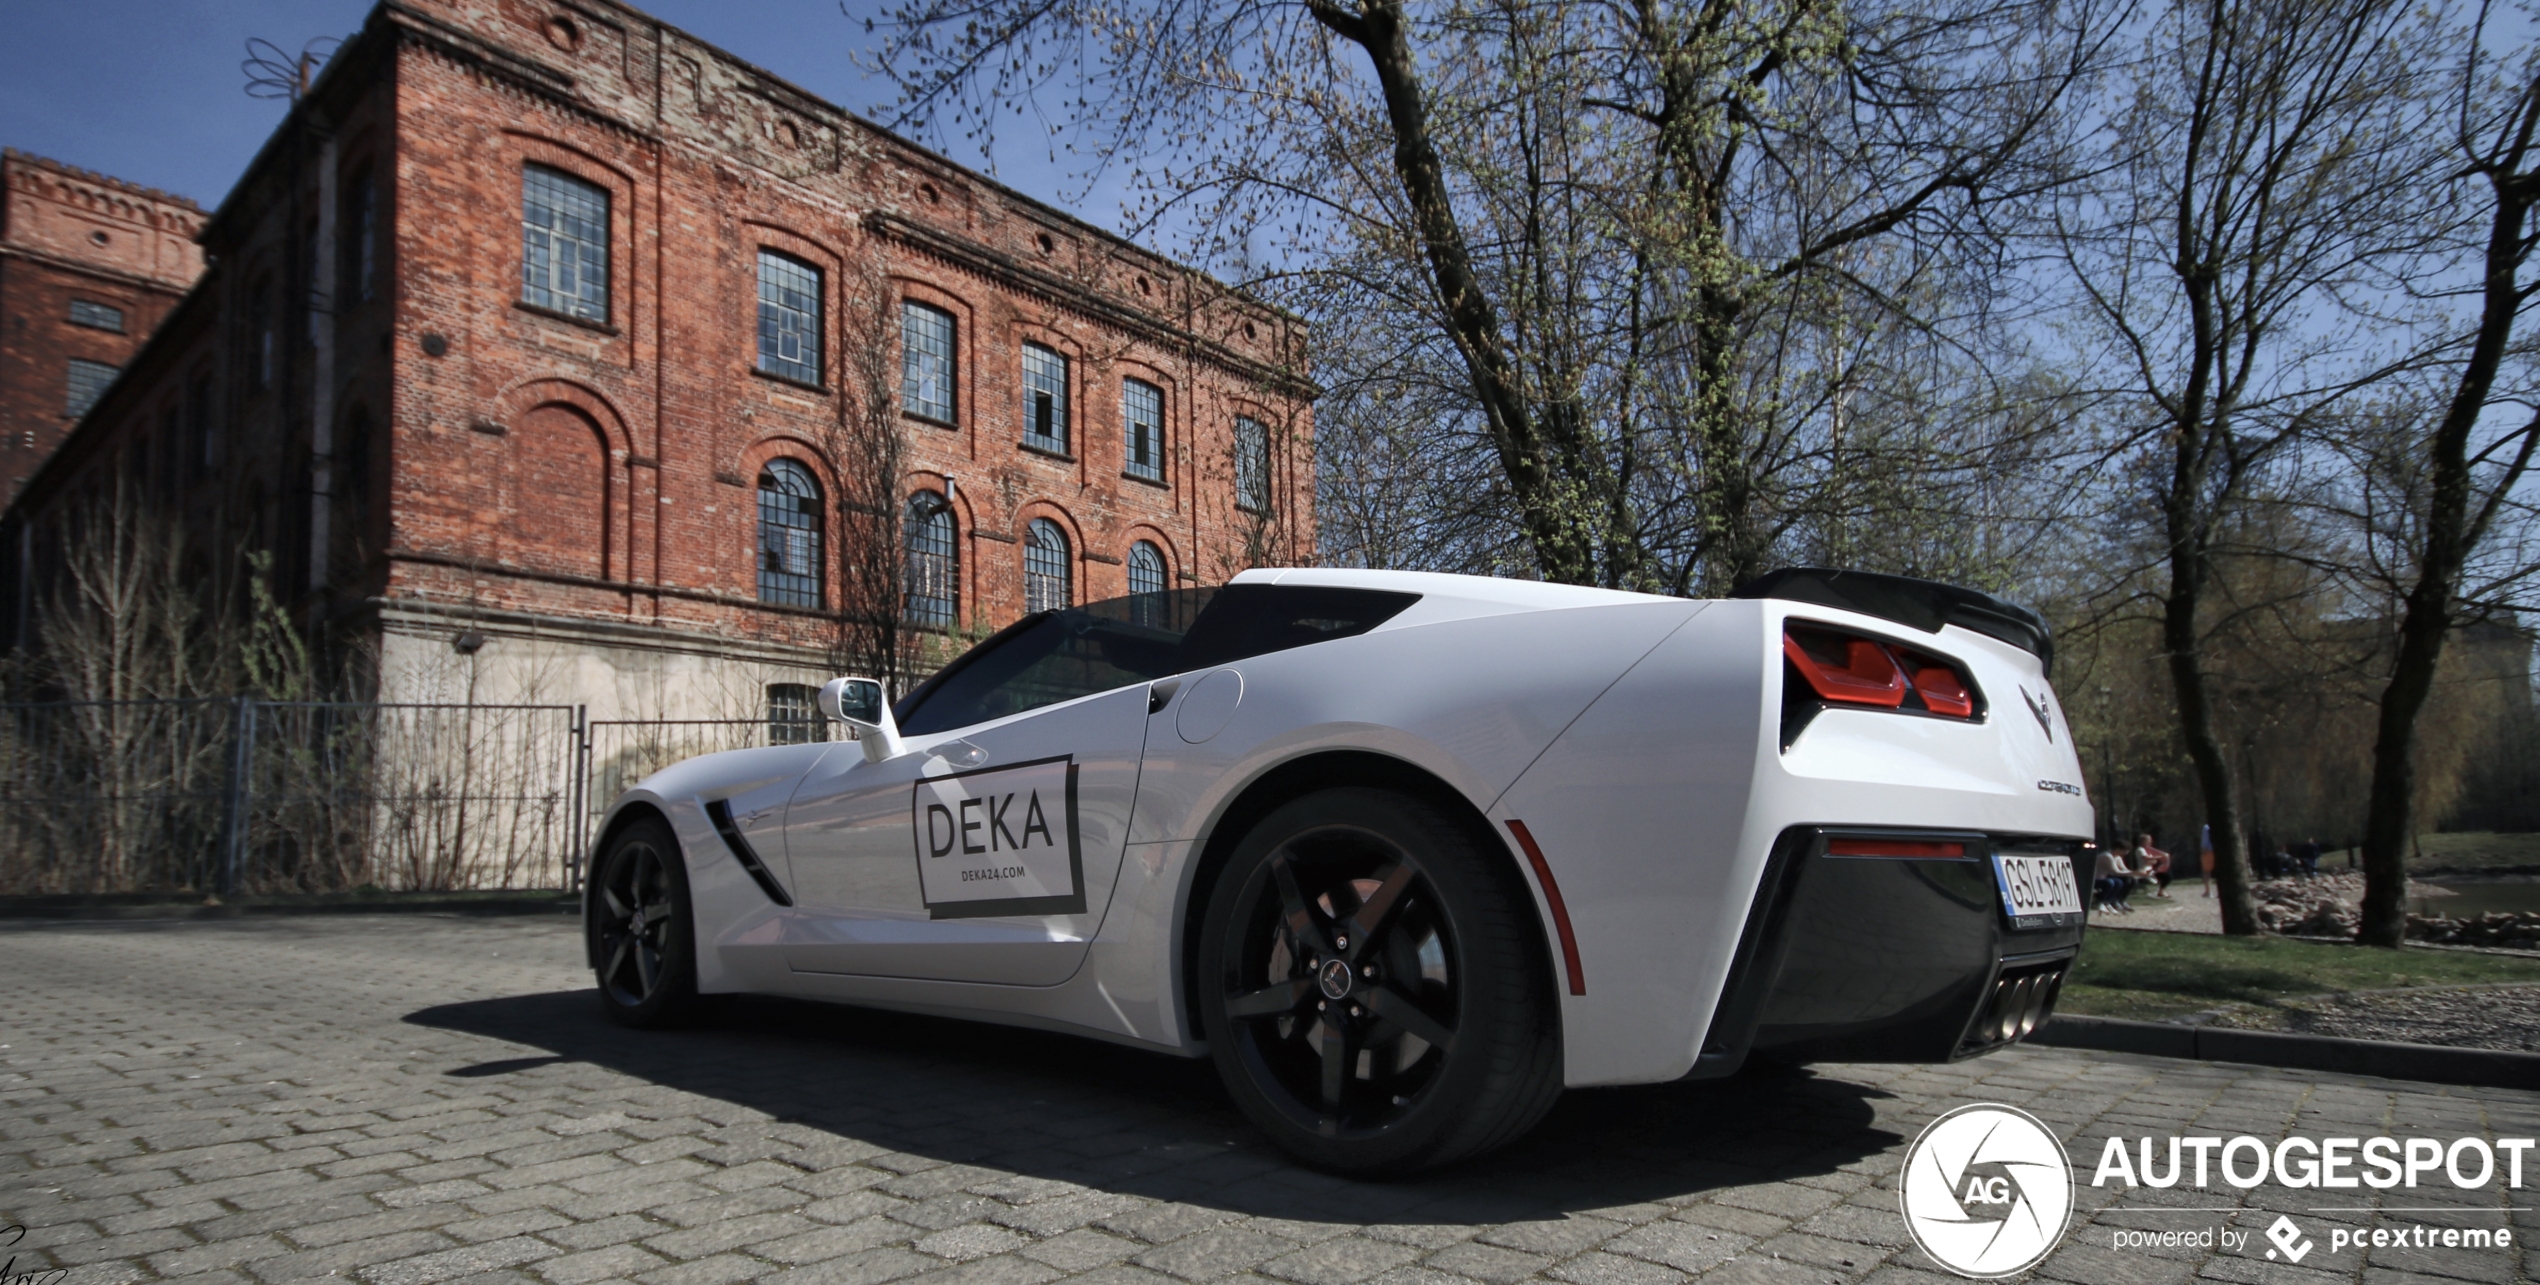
x=1404, y=853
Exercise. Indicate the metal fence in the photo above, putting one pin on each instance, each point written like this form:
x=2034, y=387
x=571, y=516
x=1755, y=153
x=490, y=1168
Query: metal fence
x=247, y=796
x=618, y=753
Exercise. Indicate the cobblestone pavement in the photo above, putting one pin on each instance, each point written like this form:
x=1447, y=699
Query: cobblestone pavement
x=412, y=1100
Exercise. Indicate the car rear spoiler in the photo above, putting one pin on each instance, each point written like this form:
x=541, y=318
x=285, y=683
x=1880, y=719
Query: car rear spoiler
x=1924, y=604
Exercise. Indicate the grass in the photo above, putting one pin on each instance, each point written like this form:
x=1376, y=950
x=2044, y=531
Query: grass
x=2156, y=975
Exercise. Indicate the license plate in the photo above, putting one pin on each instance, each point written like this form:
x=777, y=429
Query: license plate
x=2037, y=891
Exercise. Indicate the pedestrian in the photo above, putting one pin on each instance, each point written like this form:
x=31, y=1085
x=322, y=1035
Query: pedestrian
x=2153, y=864
x=2309, y=855
x=2204, y=859
x=2111, y=879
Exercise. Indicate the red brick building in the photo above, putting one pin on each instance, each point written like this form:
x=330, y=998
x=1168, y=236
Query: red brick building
x=89, y=265
x=543, y=348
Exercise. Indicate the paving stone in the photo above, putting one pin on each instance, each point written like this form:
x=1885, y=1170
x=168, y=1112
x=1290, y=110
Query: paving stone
x=325, y=1135
x=1489, y=1263
x=1343, y=1261
x=1081, y=1250
x=613, y=1263
x=1210, y=1254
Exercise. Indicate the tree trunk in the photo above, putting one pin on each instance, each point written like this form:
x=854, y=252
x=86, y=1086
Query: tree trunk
x=2451, y=532
x=2204, y=749
x=1564, y=543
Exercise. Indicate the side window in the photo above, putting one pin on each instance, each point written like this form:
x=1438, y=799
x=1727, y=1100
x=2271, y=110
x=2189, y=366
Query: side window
x=1142, y=422
x=934, y=563
x=88, y=381
x=564, y=243
x=788, y=317
x=1048, y=582
x=793, y=715
x=926, y=362
x=788, y=535
x=1054, y=656
x=1252, y=464
x=1044, y=399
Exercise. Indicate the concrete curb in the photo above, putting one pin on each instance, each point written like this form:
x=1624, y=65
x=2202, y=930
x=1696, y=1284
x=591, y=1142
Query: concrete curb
x=153, y=906
x=2432, y=1064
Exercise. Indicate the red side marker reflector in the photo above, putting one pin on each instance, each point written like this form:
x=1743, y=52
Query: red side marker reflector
x=1560, y=912
x=1893, y=848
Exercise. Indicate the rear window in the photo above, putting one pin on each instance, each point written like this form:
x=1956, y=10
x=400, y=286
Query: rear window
x=1055, y=656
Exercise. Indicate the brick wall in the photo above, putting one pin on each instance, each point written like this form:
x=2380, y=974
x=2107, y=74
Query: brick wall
x=433, y=453
x=68, y=235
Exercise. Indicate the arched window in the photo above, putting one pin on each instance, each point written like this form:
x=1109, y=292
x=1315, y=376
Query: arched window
x=1046, y=582
x=788, y=535
x=1147, y=605
x=934, y=563
x=1146, y=568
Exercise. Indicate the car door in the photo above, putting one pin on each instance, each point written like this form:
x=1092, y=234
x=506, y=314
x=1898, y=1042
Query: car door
x=987, y=852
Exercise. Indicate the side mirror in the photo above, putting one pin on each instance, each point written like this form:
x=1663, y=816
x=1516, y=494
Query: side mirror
x=858, y=703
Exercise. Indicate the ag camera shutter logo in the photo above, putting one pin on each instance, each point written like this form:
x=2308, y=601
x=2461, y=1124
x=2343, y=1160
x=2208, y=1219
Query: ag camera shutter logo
x=1988, y=1191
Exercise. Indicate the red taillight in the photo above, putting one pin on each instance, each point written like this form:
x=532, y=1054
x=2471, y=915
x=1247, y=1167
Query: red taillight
x=1942, y=690
x=1848, y=671
x=1893, y=848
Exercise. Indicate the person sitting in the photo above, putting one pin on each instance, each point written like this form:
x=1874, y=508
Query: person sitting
x=2153, y=864
x=2113, y=880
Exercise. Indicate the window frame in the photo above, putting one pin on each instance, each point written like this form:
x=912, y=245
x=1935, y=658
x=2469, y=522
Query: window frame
x=793, y=715
x=813, y=373
x=72, y=368
x=778, y=586
x=911, y=354
x=1129, y=432
x=938, y=508
x=1047, y=543
x=1252, y=448
x=572, y=308
x=91, y=322
x=1061, y=443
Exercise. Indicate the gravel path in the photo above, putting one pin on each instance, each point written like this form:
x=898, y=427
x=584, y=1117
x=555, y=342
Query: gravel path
x=2482, y=1017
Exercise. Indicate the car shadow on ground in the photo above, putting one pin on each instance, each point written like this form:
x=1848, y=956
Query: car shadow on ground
x=1148, y=1124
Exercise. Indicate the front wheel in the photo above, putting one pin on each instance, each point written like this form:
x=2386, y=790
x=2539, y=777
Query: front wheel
x=643, y=928
x=1373, y=988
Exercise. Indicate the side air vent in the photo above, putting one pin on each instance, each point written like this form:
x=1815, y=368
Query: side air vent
x=719, y=811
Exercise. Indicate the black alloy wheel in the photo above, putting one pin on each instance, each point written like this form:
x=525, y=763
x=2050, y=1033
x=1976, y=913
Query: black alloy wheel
x=1374, y=993
x=642, y=930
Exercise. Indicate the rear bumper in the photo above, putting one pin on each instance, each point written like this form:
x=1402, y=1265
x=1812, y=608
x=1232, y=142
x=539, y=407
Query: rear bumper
x=1886, y=959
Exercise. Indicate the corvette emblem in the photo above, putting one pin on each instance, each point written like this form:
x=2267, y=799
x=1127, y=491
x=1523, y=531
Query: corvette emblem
x=1335, y=979
x=2045, y=716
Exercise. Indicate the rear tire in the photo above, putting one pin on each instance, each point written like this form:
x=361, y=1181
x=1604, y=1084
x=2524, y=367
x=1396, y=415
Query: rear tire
x=643, y=929
x=1373, y=986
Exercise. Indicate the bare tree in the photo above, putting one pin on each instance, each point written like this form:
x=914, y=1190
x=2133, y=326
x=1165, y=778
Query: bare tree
x=1613, y=233
x=2265, y=180
x=866, y=448
x=2464, y=489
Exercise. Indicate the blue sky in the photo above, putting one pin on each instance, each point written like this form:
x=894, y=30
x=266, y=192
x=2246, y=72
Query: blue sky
x=150, y=90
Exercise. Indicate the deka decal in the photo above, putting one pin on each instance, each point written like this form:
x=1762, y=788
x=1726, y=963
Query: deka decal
x=999, y=841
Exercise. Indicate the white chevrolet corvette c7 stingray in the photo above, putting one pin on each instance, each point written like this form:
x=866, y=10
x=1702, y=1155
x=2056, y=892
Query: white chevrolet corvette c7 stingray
x=1405, y=854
